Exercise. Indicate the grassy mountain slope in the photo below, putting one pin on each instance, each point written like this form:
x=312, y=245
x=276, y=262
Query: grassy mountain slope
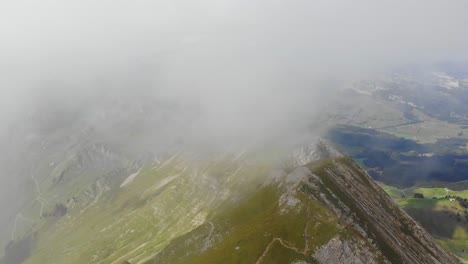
x=331, y=212
x=230, y=208
x=136, y=220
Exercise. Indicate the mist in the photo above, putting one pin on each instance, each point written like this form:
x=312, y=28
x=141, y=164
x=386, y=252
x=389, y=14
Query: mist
x=150, y=76
x=158, y=74
x=250, y=68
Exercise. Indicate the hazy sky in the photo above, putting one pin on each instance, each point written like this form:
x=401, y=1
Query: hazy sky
x=243, y=62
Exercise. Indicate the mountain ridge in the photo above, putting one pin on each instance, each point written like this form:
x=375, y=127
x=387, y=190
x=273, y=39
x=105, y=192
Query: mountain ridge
x=315, y=206
x=338, y=189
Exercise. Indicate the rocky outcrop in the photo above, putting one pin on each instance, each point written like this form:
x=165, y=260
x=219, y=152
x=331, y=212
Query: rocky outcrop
x=361, y=204
x=339, y=250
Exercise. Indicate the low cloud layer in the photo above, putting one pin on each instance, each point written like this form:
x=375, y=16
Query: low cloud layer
x=249, y=67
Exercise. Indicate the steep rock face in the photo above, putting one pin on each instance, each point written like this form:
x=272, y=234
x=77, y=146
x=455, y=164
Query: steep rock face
x=361, y=203
x=325, y=212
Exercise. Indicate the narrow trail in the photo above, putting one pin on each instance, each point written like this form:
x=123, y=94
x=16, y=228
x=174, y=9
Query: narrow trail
x=38, y=198
x=306, y=240
x=15, y=225
x=283, y=243
x=404, y=190
x=36, y=183
x=288, y=244
x=207, y=242
x=42, y=202
x=100, y=191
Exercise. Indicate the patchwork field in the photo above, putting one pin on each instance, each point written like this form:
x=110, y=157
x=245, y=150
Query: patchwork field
x=438, y=212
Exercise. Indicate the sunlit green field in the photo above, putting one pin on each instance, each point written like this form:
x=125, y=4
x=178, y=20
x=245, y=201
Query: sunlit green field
x=446, y=220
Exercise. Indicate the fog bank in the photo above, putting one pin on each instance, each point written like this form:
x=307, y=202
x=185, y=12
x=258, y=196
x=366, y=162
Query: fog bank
x=249, y=68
